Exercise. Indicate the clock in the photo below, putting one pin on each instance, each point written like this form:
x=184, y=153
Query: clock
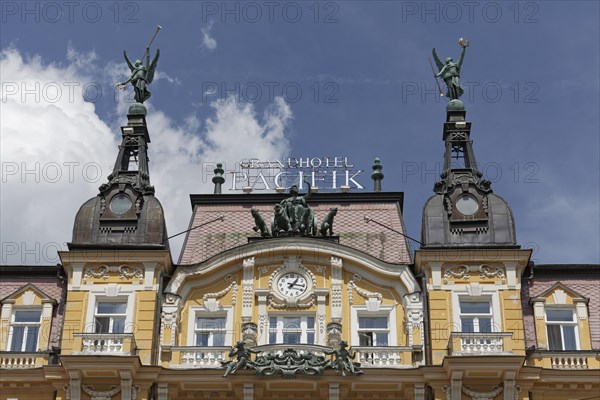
x=292, y=284
x=120, y=204
x=467, y=205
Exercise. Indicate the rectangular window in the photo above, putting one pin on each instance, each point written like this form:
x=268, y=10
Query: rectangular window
x=25, y=328
x=292, y=330
x=373, y=331
x=562, y=329
x=210, y=331
x=476, y=316
x=110, y=317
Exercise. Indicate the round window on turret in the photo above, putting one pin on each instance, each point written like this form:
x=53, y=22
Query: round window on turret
x=467, y=204
x=120, y=204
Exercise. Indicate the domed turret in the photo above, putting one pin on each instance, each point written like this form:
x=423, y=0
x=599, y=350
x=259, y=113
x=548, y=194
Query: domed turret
x=464, y=212
x=125, y=214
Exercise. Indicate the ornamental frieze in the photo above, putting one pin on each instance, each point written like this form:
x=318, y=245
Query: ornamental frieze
x=103, y=272
x=464, y=272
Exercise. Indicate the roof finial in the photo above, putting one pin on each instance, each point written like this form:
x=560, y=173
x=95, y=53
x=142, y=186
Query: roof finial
x=377, y=175
x=218, y=179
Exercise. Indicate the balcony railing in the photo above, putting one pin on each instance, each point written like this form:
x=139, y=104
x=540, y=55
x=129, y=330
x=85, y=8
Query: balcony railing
x=198, y=356
x=384, y=356
x=369, y=357
x=565, y=359
x=476, y=343
x=107, y=343
x=569, y=361
x=17, y=360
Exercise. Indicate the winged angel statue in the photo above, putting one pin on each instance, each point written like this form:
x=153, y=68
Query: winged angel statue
x=141, y=75
x=450, y=71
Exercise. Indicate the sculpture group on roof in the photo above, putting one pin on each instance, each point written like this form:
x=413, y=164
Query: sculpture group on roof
x=294, y=216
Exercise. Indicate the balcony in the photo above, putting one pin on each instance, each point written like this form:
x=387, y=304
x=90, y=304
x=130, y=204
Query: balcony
x=565, y=360
x=122, y=344
x=385, y=356
x=18, y=360
x=198, y=356
x=369, y=357
x=477, y=344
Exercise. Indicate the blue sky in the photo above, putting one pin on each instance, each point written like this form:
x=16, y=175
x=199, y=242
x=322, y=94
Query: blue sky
x=303, y=79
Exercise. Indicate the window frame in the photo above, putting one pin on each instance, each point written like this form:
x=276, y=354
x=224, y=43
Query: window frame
x=195, y=312
x=13, y=324
x=476, y=316
x=574, y=323
x=100, y=296
x=487, y=294
x=304, y=328
x=211, y=336
x=375, y=331
x=110, y=316
x=384, y=311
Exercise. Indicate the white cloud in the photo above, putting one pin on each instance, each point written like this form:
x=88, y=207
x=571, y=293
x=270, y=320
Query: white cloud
x=207, y=40
x=37, y=208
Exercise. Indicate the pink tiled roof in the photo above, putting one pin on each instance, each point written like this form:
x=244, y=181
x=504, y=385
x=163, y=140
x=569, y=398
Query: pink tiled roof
x=51, y=287
x=588, y=287
x=349, y=225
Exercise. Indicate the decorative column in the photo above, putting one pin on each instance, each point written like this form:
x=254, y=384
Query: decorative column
x=262, y=295
x=169, y=319
x=249, y=328
x=336, y=289
x=73, y=389
x=126, y=385
x=248, y=391
x=334, y=391
x=321, y=295
x=419, y=391
x=163, y=391
x=509, y=385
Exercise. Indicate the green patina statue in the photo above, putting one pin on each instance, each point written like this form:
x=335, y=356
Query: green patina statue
x=259, y=223
x=141, y=76
x=293, y=214
x=327, y=225
x=450, y=71
x=343, y=360
x=242, y=360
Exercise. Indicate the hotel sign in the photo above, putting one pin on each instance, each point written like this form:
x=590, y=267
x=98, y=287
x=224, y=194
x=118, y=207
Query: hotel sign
x=324, y=173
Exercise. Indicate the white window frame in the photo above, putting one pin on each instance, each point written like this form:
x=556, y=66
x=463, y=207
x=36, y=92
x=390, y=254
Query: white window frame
x=100, y=296
x=26, y=325
x=111, y=316
x=304, y=328
x=492, y=296
x=574, y=322
x=199, y=312
x=475, y=316
x=384, y=311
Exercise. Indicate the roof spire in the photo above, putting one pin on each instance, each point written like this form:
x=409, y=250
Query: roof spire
x=218, y=179
x=377, y=175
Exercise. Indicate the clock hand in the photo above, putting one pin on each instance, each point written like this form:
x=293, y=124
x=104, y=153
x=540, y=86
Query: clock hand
x=293, y=283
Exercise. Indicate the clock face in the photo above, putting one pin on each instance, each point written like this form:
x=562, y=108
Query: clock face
x=120, y=204
x=467, y=205
x=292, y=284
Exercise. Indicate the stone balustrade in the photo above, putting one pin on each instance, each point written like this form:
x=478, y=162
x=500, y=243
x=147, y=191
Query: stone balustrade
x=14, y=360
x=478, y=343
x=107, y=343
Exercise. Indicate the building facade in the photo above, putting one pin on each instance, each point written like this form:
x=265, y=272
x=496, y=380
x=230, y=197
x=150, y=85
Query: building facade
x=289, y=296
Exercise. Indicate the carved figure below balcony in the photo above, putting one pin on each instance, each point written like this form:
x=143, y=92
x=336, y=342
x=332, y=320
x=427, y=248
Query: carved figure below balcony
x=242, y=355
x=344, y=360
